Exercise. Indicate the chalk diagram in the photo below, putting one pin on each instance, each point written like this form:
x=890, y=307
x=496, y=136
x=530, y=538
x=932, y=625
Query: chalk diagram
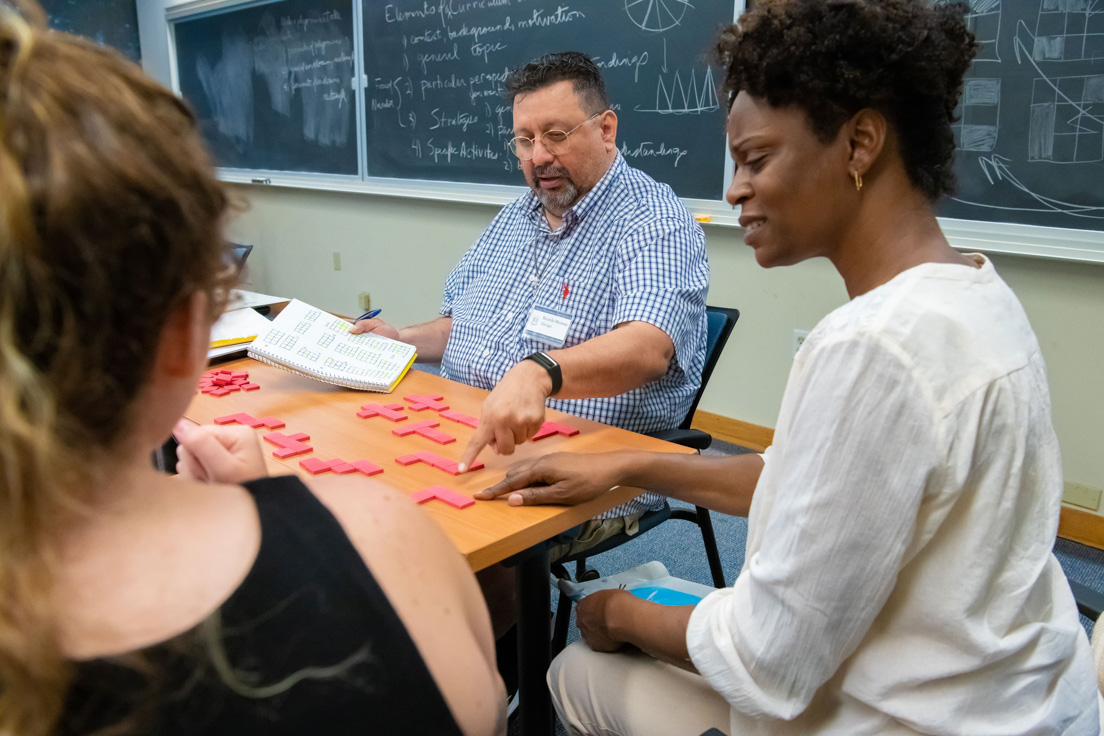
x=1063, y=111
x=675, y=96
x=984, y=18
x=656, y=15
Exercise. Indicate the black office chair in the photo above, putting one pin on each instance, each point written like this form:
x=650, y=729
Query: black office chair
x=719, y=323
x=1090, y=602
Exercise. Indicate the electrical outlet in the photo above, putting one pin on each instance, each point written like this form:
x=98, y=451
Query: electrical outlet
x=799, y=339
x=1083, y=496
x=365, y=300
x=337, y=260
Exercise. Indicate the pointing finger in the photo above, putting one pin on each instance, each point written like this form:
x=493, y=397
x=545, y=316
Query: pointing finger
x=475, y=446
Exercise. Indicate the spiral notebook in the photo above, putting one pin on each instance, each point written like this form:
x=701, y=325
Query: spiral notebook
x=308, y=341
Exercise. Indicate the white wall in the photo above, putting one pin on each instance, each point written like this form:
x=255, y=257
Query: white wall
x=400, y=250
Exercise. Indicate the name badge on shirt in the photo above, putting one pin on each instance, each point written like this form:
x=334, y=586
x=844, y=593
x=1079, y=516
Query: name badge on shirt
x=548, y=325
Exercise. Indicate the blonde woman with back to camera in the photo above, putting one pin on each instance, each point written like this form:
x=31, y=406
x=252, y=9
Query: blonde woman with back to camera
x=134, y=602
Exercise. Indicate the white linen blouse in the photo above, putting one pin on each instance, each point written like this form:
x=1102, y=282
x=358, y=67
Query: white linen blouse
x=899, y=576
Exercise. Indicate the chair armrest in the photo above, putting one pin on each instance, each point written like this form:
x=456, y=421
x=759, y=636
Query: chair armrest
x=694, y=438
x=1089, y=602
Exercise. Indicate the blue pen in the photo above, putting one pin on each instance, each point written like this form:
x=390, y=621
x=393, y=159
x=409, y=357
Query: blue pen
x=370, y=314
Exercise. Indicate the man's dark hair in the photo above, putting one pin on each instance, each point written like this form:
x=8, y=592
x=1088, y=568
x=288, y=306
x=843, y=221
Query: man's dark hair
x=832, y=58
x=570, y=66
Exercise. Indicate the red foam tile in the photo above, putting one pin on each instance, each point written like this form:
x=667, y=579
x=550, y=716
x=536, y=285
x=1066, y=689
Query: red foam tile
x=290, y=445
x=387, y=411
x=272, y=422
x=367, y=468
x=314, y=466
x=249, y=387
x=460, y=418
x=343, y=469
x=452, y=498
x=241, y=418
x=219, y=392
x=549, y=429
x=427, y=494
x=419, y=402
x=425, y=429
x=291, y=452
x=413, y=428
x=441, y=463
x=408, y=459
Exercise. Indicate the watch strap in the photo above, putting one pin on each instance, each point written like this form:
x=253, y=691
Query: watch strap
x=544, y=360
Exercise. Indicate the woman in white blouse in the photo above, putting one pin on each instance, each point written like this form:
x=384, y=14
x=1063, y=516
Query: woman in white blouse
x=899, y=576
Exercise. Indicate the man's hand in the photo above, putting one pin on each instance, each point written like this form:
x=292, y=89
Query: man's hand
x=563, y=478
x=376, y=327
x=512, y=412
x=213, y=454
x=593, y=615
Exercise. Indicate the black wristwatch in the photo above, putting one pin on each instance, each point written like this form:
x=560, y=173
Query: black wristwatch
x=545, y=361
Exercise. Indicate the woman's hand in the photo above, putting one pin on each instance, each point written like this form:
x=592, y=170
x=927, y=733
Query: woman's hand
x=560, y=478
x=213, y=454
x=594, y=616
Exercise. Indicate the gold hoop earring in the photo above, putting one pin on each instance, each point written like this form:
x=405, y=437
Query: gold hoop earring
x=858, y=180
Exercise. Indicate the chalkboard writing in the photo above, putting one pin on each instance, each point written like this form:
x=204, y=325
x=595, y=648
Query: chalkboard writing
x=272, y=85
x=435, y=71
x=1031, y=136
x=108, y=22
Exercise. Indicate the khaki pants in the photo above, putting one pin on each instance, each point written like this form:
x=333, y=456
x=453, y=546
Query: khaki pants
x=592, y=533
x=629, y=692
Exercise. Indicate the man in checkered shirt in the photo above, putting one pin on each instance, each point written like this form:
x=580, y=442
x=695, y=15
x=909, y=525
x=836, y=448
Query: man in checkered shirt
x=604, y=258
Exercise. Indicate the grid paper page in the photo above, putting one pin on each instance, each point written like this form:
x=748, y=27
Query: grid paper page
x=308, y=340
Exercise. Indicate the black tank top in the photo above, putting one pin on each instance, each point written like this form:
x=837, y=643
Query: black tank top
x=310, y=642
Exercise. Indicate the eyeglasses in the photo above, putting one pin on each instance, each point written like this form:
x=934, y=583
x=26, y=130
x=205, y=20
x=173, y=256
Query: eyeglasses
x=552, y=140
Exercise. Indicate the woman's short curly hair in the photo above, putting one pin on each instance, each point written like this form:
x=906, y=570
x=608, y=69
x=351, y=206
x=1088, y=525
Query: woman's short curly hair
x=832, y=58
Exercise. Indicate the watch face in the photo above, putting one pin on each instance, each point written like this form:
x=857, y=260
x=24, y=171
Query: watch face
x=543, y=360
x=550, y=365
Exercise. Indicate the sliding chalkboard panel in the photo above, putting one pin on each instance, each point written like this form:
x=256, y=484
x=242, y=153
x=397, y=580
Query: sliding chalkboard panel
x=1031, y=136
x=272, y=84
x=109, y=22
x=434, y=107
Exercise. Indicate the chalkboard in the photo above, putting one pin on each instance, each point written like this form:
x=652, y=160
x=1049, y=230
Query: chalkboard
x=434, y=107
x=109, y=22
x=273, y=84
x=1030, y=142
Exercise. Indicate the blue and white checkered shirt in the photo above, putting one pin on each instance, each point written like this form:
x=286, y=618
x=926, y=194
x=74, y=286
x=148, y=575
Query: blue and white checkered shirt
x=627, y=251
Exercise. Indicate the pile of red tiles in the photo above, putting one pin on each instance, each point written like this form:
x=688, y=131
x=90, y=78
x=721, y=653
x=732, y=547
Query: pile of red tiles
x=219, y=382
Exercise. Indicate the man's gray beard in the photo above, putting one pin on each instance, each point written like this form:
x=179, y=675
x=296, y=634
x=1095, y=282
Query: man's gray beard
x=559, y=200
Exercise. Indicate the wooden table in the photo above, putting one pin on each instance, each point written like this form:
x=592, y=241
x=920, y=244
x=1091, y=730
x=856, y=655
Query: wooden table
x=486, y=533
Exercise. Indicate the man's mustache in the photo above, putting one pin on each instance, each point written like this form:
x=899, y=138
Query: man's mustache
x=550, y=170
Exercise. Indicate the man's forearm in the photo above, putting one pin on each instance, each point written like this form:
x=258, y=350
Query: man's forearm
x=724, y=484
x=628, y=357
x=429, y=337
